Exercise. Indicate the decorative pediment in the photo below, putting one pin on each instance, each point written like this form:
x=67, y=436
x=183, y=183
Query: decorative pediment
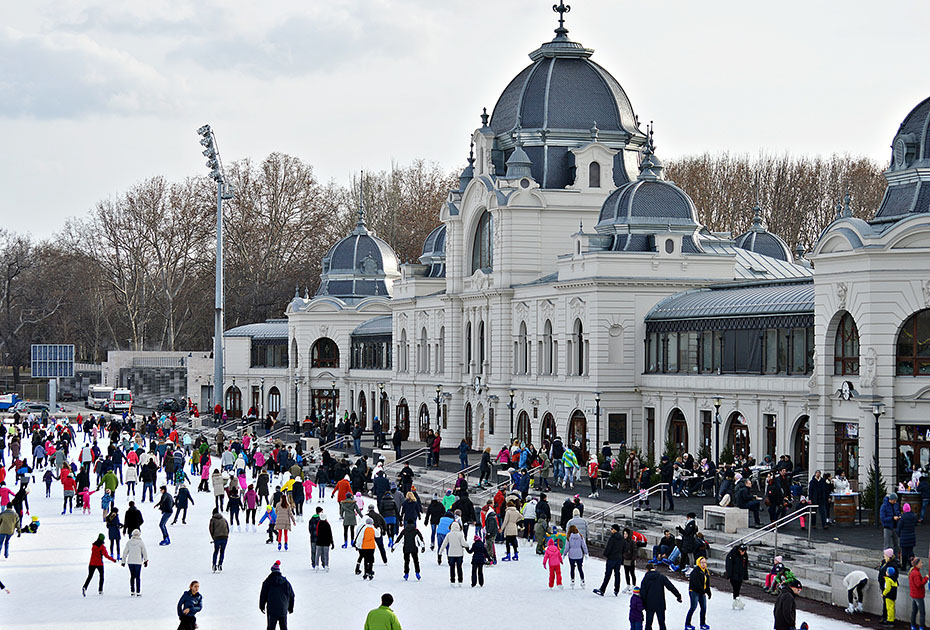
x=546, y=307
x=522, y=308
x=576, y=307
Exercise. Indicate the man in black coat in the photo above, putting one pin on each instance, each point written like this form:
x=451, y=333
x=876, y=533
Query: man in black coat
x=818, y=495
x=666, y=473
x=737, y=568
x=613, y=553
x=132, y=519
x=543, y=512
x=745, y=500
x=278, y=597
x=785, y=611
x=688, y=538
x=566, y=514
x=652, y=592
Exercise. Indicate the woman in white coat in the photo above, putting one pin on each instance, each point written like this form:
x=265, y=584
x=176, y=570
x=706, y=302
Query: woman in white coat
x=454, y=544
x=136, y=557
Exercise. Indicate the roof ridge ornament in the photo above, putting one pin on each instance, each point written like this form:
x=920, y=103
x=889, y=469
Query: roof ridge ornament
x=594, y=132
x=484, y=117
x=561, y=8
x=847, y=210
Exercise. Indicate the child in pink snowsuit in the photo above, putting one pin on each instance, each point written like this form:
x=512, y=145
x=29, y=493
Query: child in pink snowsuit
x=308, y=489
x=553, y=557
x=85, y=499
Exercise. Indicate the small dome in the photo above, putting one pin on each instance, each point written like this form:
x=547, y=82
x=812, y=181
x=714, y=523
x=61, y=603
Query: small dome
x=434, y=253
x=761, y=241
x=910, y=155
x=359, y=265
x=644, y=203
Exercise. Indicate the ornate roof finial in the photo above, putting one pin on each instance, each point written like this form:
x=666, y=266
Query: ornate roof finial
x=800, y=250
x=484, y=116
x=650, y=167
x=306, y=293
x=757, y=211
x=296, y=291
x=580, y=227
x=847, y=210
x=471, y=153
x=839, y=209
x=515, y=134
x=650, y=142
x=360, y=225
x=594, y=132
x=561, y=8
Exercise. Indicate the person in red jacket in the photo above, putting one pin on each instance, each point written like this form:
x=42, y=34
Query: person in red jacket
x=69, y=489
x=918, y=584
x=343, y=488
x=98, y=552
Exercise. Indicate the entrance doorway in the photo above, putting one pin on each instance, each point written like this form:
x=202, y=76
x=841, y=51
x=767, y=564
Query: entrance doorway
x=738, y=436
x=547, y=430
x=524, y=428
x=678, y=431
x=578, y=432
x=469, y=422
x=847, y=451
x=802, y=444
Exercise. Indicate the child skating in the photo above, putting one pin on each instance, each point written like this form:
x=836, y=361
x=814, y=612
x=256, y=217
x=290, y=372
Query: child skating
x=553, y=558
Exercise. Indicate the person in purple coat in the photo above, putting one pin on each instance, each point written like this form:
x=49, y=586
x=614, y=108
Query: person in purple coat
x=636, y=610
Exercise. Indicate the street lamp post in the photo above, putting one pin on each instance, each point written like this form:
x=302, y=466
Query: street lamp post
x=223, y=192
x=381, y=402
x=438, y=400
x=261, y=403
x=232, y=397
x=597, y=421
x=717, y=403
x=332, y=402
x=878, y=410
x=511, y=406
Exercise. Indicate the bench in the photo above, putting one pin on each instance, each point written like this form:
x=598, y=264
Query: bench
x=729, y=518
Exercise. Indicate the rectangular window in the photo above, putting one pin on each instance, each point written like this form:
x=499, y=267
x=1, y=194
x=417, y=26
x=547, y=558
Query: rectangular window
x=491, y=421
x=769, y=419
x=672, y=346
x=798, y=351
x=650, y=429
x=770, y=342
x=706, y=419
x=616, y=428
x=652, y=341
x=689, y=352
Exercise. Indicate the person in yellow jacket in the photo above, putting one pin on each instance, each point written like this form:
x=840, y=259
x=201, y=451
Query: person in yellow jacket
x=366, y=541
x=383, y=618
x=890, y=593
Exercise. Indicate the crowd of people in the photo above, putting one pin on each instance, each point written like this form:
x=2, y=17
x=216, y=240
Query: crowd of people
x=268, y=484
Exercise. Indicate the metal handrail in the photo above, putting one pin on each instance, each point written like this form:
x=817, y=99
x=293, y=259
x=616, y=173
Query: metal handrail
x=408, y=457
x=774, y=525
x=628, y=503
x=339, y=440
x=438, y=485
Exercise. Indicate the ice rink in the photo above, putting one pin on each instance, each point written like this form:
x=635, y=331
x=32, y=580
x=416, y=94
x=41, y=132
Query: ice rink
x=45, y=572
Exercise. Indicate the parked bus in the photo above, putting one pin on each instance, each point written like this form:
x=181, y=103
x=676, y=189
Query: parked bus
x=97, y=396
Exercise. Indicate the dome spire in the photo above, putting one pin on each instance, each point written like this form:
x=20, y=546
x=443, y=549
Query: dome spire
x=561, y=8
x=650, y=169
x=757, y=225
x=360, y=227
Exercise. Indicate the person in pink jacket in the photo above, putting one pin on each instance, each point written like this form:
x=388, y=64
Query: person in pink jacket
x=251, y=502
x=308, y=489
x=553, y=558
x=204, y=474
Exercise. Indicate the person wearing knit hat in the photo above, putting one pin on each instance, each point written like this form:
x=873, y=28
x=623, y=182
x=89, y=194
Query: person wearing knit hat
x=636, y=610
x=277, y=598
x=907, y=533
x=889, y=514
x=98, y=552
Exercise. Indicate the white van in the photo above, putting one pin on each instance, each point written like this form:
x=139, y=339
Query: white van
x=120, y=401
x=98, y=396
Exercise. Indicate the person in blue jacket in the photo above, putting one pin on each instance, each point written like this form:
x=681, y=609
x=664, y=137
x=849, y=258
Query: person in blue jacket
x=463, y=454
x=189, y=605
x=445, y=524
x=889, y=515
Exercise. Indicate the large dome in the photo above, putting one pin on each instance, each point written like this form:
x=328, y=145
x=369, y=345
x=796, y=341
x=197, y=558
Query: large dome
x=560, y=101
x=359, y=265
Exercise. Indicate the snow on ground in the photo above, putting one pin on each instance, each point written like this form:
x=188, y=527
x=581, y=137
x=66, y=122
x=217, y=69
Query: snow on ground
x=45, y=572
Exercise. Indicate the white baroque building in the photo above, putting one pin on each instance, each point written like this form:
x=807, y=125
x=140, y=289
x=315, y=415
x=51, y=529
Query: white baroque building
x=569, y=277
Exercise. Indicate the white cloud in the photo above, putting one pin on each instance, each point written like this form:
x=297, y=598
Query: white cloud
x=72, y=76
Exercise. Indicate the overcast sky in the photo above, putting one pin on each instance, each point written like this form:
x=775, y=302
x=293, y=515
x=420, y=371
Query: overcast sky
x=96, y=96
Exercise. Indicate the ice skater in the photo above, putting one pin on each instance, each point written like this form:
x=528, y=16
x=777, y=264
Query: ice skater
x=136, y=556
x=98, y=552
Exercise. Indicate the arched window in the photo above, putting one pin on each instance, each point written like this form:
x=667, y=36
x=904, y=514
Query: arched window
x=423, y=357
x=579, y=350
x=738, y=436
x=913, y=355
x=274, y=402
x=402, y=351
x=846, y=347
x=480, y=347
x=523, y=351
x=481, y=249
x=548, y=349
x=441, y=351
x=594, y=175
x=468, y=348
x=524, y=428
x=325, y=354
x=678, y=431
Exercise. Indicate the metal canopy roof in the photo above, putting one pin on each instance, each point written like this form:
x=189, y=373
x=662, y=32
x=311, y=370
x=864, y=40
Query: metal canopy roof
x=270, y=329
x=746, y=300
x=376, y=326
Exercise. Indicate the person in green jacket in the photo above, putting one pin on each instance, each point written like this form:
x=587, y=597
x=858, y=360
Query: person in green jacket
x=383, y=618
x=109, y=481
